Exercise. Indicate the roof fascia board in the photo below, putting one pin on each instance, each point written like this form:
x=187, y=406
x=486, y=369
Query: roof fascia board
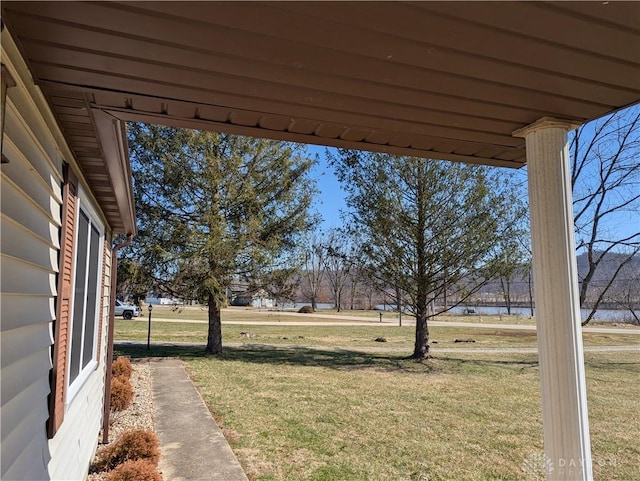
x=113, y=139
x=139, y=116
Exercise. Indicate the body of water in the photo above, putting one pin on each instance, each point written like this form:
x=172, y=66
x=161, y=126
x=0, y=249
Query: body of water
x=612, y=315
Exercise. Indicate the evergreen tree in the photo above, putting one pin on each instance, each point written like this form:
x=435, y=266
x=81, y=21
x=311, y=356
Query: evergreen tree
x=429, y=227
x=212, y=207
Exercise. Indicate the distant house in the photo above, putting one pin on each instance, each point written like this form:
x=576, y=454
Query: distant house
x=163, y=301
x=257, y=299
x=61, y=207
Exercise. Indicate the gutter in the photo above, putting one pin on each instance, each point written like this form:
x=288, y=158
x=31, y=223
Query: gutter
x=112, y=302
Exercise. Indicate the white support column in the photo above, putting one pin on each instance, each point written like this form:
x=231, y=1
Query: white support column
x=562, y=375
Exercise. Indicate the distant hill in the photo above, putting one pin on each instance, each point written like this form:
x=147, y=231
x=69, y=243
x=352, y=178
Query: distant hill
x=492, y=292
x=607, y=267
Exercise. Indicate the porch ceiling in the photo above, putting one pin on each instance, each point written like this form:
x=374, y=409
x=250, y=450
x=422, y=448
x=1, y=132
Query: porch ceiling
x=448, y=80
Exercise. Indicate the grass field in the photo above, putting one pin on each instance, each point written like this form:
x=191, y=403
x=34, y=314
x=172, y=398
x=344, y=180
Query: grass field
x=348, y=408
x=398, y=338
x=240, y=313
x=199, y=313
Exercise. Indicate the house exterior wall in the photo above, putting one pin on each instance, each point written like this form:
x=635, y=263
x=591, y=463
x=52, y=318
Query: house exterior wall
x=262, y=302
x=30, y=226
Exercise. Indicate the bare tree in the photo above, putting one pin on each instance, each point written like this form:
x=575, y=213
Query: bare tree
x=627, y=292
x=513, y=253
x=354, y=287
x=357, y=278
x=606, y=188
x=367, y=286
x=530, y=287
x=337, y=264
x=313, y=267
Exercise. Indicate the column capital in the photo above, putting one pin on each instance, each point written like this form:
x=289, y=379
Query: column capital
x=547, y=123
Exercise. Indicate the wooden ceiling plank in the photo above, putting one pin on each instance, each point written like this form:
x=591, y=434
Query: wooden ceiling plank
x=321, y=64
x=376, y=72
x=59, y=101
x=61, y=110
x=535, y=21
x=245, y=87
x=261, y=105
x=317, y=83
x=432, y=31
x=624, y=15
x=73, y=119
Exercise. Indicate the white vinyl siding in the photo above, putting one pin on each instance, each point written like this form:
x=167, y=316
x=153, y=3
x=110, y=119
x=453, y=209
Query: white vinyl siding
x=30, y=223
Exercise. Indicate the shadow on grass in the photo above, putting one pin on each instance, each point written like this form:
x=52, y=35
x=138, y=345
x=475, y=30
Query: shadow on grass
x=276, y=355
x=341, y=359
x=469, y=366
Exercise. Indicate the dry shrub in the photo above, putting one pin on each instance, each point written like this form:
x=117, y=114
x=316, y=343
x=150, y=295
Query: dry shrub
x=121, y=393
x=122, y=367
x=138, y=470
x=306, y=310
x=130, y=446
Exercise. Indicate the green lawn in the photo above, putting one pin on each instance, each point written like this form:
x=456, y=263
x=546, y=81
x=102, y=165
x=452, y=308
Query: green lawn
x=333, y=412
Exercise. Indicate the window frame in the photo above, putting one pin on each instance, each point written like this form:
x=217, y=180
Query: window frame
x=75, y=384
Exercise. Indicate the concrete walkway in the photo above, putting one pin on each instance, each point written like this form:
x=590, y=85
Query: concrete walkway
x=192, y=446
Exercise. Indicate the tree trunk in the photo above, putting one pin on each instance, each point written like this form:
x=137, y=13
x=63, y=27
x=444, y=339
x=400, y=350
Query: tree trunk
x=421, y=348
x=444, y=295
x=352, y=293
x=399, y=304
x=421, y=306
x=214, y=339
x=600, y=297
x=530, y=286
x=505, y=283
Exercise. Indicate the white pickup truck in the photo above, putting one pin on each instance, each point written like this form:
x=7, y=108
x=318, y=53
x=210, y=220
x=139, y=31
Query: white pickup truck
x=126, y=310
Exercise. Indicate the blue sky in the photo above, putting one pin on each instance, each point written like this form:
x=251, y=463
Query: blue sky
x=331, y=198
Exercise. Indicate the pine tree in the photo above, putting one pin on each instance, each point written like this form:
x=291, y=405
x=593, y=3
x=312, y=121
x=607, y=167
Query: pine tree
x=213, y=207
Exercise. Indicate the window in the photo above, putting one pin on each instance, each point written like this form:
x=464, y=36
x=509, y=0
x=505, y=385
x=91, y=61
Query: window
x=74, y=353
x=85, y=299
